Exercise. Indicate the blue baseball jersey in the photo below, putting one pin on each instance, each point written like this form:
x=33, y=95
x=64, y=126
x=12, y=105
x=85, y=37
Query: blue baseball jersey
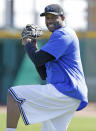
x=66, y=72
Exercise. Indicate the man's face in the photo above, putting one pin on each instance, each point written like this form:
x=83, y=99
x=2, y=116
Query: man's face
x=53, y=22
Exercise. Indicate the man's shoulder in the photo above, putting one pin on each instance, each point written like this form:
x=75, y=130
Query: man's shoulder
x=65, y=30
x=64, y=33
x=70, y=32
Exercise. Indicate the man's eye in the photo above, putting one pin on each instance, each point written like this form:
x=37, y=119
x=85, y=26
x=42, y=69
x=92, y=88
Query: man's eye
x=52, y=18
x=55, y=17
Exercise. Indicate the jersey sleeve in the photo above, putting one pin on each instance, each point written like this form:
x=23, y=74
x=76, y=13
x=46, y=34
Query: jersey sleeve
x=57, y=44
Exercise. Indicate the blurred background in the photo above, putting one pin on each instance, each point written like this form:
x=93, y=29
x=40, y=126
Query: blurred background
x=15, y=66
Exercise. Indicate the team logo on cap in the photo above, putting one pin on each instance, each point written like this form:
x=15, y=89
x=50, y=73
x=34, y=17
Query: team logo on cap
x=49, y=9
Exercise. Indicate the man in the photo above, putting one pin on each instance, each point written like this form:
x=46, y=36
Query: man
x=58, y=61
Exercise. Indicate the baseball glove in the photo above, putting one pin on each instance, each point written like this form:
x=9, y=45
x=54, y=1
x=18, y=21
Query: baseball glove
x=31, y=31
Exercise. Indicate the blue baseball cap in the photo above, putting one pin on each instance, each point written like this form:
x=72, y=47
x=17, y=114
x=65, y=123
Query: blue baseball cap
x=54, y=9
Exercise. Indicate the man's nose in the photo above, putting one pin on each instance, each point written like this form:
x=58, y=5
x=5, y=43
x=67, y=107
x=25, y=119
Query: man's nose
x=49, y=20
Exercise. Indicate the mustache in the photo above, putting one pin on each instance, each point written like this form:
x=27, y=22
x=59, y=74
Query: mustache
x=57, y=24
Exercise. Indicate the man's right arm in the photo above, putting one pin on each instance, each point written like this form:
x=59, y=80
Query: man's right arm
x=42, y=71
x=39, y=58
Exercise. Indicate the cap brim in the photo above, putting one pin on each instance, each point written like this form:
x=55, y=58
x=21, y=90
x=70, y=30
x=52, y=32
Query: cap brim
x=54, y=13
x=42, y=14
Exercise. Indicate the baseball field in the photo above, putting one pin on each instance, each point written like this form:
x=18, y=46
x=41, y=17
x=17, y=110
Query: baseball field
x=82, y=121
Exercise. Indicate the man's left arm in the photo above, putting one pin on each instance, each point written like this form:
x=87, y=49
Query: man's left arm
x=38, y=57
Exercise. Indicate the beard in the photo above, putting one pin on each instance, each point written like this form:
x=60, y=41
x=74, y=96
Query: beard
x=53, y=26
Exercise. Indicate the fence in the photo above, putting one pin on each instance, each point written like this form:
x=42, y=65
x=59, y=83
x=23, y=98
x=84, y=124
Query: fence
x=16, y=68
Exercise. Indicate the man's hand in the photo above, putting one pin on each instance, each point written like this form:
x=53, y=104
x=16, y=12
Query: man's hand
x=28, y=40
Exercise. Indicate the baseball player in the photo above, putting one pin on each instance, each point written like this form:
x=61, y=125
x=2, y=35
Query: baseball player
x=59, y=62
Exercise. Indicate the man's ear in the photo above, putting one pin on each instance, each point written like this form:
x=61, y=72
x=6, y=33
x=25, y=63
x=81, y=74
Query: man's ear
x=63, y=18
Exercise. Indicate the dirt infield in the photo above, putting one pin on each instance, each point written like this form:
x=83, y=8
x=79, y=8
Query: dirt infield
x=89, y=111
x=3, y=109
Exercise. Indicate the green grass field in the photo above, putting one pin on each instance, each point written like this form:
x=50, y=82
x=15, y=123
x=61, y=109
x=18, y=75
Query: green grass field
x=77, y=124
